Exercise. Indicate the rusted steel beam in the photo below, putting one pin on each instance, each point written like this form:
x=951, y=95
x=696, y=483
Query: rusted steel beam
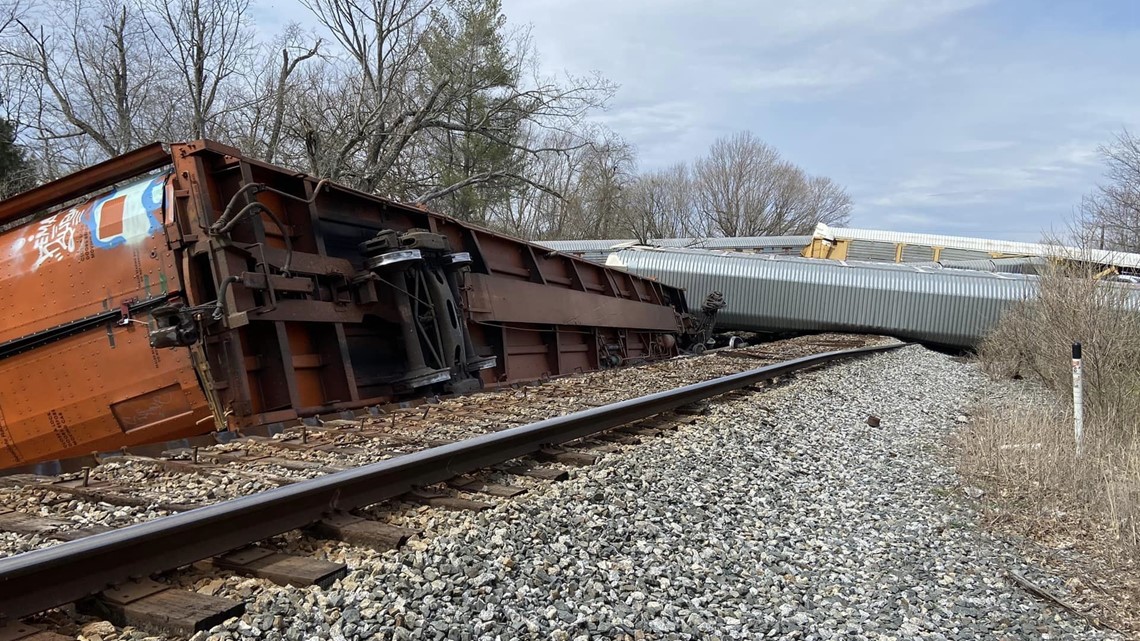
x=507, y=300
x=46, y=578
x=84, y=182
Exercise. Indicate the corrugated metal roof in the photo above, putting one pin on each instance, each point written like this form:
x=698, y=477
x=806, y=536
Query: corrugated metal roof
x=1012, y=248
x=950, y=253
x=739, y=242
x=584, y=245
x=953, y=307
x=917, y=253
x=865, y=250
x=1020, y=265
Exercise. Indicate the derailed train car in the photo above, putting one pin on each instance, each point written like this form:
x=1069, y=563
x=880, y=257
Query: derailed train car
x=178, y=290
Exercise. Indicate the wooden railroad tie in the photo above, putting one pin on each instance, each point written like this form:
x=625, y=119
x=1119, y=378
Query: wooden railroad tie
x=445, y=501
x=544, y=473
x=641, y=430
x=482, y=487
x=357, y=530
x=49, y=528
x=282, y=569
x=20, y=631
x=106, y=492
x=568, y=457
x=150, y=605
x=614, y=437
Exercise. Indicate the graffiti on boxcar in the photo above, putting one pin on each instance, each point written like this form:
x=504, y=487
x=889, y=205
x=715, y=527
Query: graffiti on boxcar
x=56, y=236
x=127, y=215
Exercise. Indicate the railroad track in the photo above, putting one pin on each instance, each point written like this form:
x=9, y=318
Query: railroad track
x=67, y=539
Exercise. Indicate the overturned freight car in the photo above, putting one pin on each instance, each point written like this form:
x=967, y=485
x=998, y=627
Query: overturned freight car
x=952, y=308
x=177, y=290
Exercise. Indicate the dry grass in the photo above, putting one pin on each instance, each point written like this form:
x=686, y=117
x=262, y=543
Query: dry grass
x=1024, y=454
x=1027, y=453
x=1034, y=448
x=1080, y=513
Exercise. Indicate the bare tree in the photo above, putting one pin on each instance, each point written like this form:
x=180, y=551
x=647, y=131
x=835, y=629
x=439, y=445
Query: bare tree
x=828, y=201
x=364, y=130
x=660, y=204
x=415, y=75
x=258, y=123
x=10, y=11
x=744, y=188
x=429, y=100
x=96, y=78
x=208, y=43
x=734, y=184
x=90, y=69
x=1109, y=217
x=542, y=211
x=595, y=203
x=10, y=71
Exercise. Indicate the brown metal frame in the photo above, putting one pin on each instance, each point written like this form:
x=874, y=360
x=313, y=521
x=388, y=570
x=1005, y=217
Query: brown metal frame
x=306, y=325
x=516, y=289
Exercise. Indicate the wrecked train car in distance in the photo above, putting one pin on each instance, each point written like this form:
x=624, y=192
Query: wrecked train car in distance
x=178, y=290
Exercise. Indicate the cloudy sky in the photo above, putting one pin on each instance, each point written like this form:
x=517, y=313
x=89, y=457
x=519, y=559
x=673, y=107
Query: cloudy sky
x=967, y=117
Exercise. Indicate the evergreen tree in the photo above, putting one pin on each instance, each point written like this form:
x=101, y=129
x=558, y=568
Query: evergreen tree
x=475, y=149
x=16, y=172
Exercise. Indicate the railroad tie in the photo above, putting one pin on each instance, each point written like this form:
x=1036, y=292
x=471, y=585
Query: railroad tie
x=280, y=568
x=445, y=501
x=154, y=606
x=621, y=439
x=568, y=457
x=20, y=631
x=482, y=487
x=105, y=492
x=641, y=430
x=544, y=473
x=357, y=530
x=49, y=528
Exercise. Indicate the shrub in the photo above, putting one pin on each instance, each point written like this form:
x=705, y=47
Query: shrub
x=1028, y=451
x=1034, y=339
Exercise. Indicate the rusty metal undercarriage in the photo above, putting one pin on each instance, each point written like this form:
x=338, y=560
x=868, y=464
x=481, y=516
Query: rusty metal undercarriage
x=175, y=291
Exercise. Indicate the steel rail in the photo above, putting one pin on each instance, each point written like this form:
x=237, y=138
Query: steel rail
x=84, y=182
x=42, y=579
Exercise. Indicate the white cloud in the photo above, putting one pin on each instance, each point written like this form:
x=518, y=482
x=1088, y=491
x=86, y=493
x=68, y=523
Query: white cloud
x=661, y=118
x=827, y=70
x=905, y=220
x=942, y=184
x=653, y=46
x=973, y=146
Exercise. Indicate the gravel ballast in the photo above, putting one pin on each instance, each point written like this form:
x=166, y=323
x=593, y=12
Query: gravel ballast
x=240, y=467
x=781, y=514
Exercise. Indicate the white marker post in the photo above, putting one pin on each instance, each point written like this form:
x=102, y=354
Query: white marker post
x=1078, y=400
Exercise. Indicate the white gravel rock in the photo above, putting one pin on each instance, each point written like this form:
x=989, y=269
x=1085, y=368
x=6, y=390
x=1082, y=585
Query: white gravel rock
x=781, y=515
